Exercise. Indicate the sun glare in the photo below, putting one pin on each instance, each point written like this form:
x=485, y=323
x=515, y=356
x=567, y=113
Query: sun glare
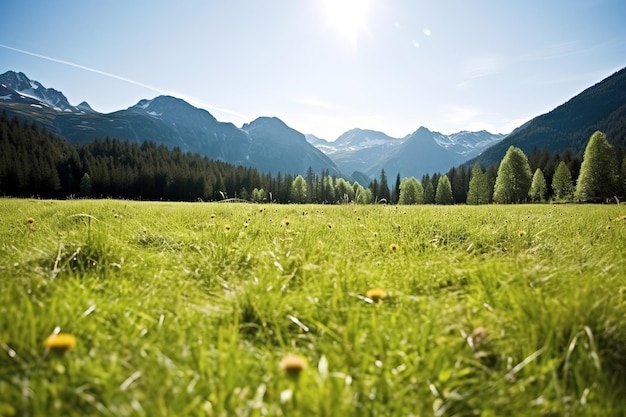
x=349, y=18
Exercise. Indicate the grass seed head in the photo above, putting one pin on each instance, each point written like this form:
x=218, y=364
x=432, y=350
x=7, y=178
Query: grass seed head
x=479, y=336
x=292, y=365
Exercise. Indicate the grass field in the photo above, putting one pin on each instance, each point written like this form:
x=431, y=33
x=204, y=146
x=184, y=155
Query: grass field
x=197, y=309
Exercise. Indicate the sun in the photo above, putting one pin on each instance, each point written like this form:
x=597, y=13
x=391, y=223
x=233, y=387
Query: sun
x=349, y=18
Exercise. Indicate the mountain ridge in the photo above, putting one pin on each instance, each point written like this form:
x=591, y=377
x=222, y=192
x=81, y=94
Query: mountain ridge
x=570, y=125
x=269, y=144
x=164, y=120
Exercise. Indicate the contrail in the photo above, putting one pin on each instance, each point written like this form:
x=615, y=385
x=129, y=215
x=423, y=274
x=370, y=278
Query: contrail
x=71, y=64
x=117, y=77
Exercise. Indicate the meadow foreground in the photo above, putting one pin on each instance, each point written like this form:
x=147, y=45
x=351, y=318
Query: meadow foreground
x=208, y=309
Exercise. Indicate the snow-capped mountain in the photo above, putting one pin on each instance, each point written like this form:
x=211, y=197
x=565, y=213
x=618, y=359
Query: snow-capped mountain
x=265, y=144
x=18, y=87
x=421, y=152
x=469, y=144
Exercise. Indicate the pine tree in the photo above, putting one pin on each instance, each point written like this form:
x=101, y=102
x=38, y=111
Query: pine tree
x=598, y=179
x=396, y=190
x=538, y=188
x=429, y=192
x=562, y=185
x=85, y=185
x=479, y=188
x=514, y=178
x=623, y=177
x=443, y=195
x=383, y=190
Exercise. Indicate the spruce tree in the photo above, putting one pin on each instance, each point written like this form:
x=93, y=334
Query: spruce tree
x=623, y=177
x=598, y=179
x=514, y=178
x=383, y=190
x=396, y=190
x=85, y=185
x=429, y=192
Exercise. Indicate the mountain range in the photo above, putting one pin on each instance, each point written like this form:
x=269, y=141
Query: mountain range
x=423, y=151
x=265, y=143
x=269, y=145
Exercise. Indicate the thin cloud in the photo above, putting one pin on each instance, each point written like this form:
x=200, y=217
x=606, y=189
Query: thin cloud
x=124, y=79
x=427, y=32
x=416, y=44
x=477, y=68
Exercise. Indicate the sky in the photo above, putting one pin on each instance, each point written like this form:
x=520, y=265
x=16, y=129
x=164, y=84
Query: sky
x=323, y=66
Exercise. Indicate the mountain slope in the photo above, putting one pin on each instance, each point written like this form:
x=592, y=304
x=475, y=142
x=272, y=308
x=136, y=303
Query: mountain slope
x=274, y=147
x=418, y=154
x=570, y=125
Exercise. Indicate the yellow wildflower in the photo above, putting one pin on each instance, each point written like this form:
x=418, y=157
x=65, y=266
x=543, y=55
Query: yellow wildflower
x=60, y=342
x=376, y=294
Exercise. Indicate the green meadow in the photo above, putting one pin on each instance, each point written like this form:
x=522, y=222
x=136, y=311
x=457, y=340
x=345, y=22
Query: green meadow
x=209, y=309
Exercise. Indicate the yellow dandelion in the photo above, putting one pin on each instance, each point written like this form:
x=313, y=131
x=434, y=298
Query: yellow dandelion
x=608, y=227
x=286, y=222
x=227, y=228
x=376, y=294
x=393, y=247
x=30, y=220
x=521, y=233
x=60, y=342
x=622, y=217
x=330, y=226
x=212, y=216
x=292, y=365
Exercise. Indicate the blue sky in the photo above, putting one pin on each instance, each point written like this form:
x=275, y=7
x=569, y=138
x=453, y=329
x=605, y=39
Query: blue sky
x=323, y=66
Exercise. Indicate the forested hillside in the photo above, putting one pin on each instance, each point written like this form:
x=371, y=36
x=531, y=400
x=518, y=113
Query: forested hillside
x=34, y=162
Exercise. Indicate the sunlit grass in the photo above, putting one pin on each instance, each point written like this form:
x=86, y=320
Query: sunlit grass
x=208, y=309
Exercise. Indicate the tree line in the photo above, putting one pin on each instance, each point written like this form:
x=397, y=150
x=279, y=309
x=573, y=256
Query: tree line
x=35, y=163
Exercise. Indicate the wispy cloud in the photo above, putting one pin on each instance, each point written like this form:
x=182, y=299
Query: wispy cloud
x=427, y=32
x=553, y=51
x=482, y=67
x=191, y=100
x=476, y=118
